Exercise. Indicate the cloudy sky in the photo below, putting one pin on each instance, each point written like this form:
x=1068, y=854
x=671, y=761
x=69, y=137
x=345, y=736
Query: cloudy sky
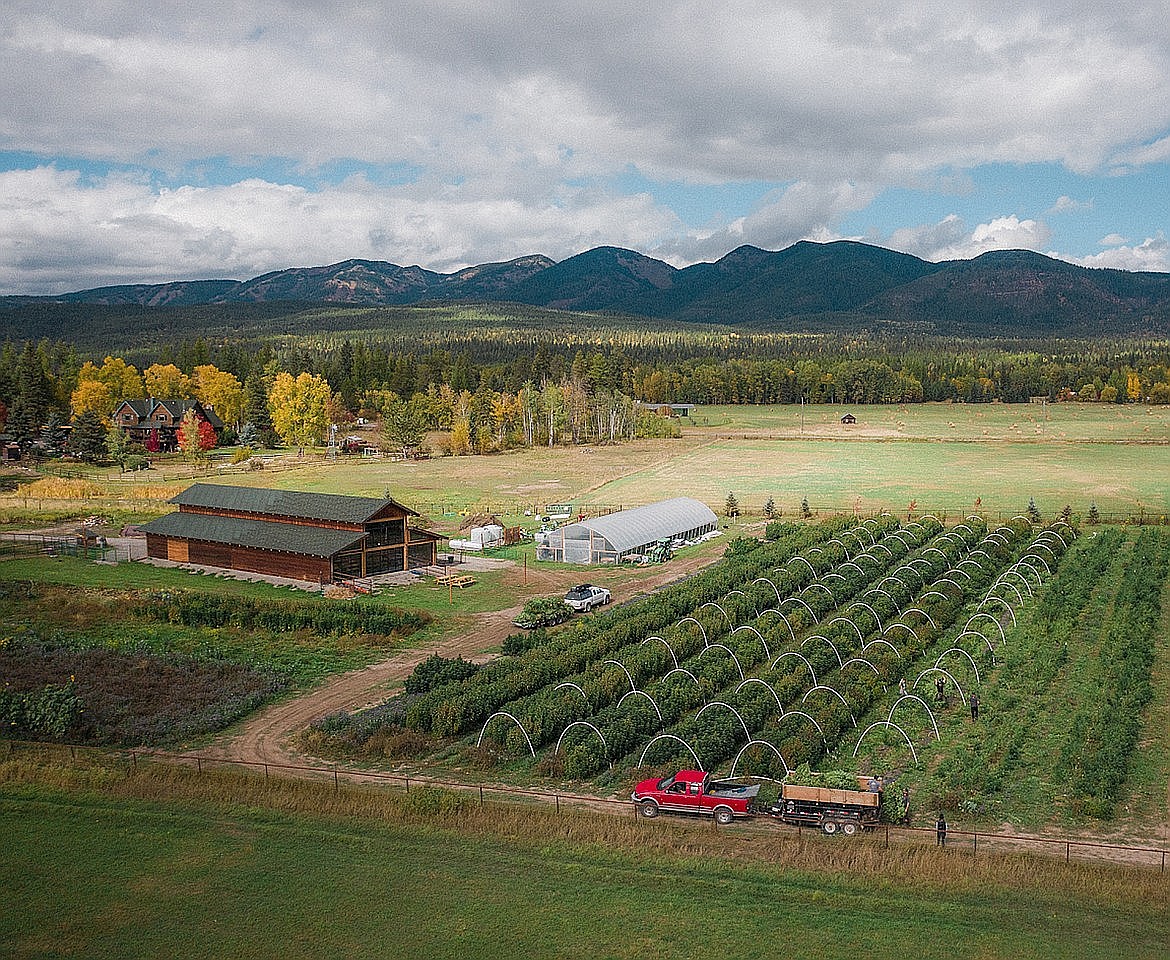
x=147, y=142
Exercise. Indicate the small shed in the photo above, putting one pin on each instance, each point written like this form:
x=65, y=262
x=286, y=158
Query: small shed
x=849, y=418
x=610, y=538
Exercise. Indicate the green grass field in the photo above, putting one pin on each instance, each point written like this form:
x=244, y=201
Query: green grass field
x=291, y=871
x=1068, y=422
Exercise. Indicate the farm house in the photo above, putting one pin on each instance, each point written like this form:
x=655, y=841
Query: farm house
x=611, y=538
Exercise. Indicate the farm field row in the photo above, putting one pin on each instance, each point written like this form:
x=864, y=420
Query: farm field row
x=424, y=875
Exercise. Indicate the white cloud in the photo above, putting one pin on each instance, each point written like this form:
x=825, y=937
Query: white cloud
x=1153, y=253
x=54, y=228
x=679, y=88
x=1066, y=204
x=952, y=239
x=1113, y=240
x=510, y=112
x=800, y=211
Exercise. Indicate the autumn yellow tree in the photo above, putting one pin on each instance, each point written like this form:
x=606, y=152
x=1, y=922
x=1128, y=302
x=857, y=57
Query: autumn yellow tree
x=166, y=382
x=221, y=391
x=92, y=396
x=297, y=406
x=122, y=378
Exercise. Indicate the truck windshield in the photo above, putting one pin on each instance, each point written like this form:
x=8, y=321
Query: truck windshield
x=665, y=783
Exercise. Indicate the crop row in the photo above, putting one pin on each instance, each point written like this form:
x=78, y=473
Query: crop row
x=461, y=707
x=733, y=709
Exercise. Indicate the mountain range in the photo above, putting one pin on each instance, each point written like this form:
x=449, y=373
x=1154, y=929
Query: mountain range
x=806, y=286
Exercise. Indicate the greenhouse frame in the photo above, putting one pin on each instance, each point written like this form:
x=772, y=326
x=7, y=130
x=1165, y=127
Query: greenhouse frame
x=612, y=538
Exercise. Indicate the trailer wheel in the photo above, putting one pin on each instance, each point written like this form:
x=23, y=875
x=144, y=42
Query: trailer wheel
x=829, y=827
x=849, y=828
x=724, y=816
x=648, y=809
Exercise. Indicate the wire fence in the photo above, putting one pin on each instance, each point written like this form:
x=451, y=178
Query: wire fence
x=967, y=842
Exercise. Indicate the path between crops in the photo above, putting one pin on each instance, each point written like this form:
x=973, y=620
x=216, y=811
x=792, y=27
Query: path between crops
x=269, y=737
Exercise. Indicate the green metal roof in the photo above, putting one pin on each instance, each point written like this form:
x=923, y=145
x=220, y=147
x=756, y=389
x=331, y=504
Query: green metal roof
x=285, y=503
x=295, y=538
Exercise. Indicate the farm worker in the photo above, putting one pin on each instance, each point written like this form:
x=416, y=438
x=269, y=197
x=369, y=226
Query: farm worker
x=974, y=701
x=940, y=689
x=902, y=686
x=873, y=785
x=905, y=806
x=940, y=829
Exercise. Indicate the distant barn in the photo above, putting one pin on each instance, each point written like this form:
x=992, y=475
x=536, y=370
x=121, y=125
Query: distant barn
x=849, y=418
x=284, y=533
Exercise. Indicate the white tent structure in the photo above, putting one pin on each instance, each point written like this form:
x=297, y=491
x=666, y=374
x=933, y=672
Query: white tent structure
x=610, y=538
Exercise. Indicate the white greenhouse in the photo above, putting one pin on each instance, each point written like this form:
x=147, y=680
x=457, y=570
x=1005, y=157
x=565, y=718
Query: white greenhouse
x=611, y=538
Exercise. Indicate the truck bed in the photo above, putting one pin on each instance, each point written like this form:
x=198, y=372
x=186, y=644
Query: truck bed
x=738, y=791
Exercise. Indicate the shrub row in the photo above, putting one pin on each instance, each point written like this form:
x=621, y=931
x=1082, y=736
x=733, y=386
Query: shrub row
x=196, y=608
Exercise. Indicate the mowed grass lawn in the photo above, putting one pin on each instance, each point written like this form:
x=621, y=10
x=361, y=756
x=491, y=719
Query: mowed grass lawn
x=90, y=875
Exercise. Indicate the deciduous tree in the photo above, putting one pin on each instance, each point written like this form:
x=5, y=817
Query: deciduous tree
x=166, y=382
x=221, y=391
x=298, y=406
x=196, y=437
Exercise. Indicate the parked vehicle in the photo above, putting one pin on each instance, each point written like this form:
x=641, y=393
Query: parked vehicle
x=586, y=597
x=694, y=792
x=830, y=809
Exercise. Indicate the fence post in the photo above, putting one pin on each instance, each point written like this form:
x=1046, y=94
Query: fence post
x=481, y=795
x=407, y=784
x=558, y=796
x=336, y=784
x=199, y=764
x=1067, y=850
x=975, y=850
x=265, y=771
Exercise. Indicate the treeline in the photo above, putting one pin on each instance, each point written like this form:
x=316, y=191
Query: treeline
x=701, y=367
x=676, y=365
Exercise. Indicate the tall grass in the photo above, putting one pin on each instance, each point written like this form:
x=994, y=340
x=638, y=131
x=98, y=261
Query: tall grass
x=865, y=861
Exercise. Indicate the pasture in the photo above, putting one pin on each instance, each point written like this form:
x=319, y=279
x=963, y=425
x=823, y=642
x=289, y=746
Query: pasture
x=942, y=456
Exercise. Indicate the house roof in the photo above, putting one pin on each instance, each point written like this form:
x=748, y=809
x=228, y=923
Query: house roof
x=261, y=534
x=286, y=503
x=147, y=408
x=656, y=521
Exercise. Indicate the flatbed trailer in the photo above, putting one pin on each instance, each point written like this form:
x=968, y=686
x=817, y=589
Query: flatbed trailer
x=829, y=809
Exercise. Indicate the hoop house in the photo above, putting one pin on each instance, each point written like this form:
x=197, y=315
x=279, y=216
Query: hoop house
x=611, y=538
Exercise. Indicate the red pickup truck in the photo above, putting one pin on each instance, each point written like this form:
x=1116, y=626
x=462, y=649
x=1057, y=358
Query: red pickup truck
x=693, y=791
x=831, y=809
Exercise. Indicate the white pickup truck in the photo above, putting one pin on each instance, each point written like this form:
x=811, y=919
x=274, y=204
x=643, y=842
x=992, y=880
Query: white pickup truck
x=586, y=597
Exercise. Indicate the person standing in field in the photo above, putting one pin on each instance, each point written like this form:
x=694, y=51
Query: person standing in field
x=974, y=701
x=940, y=830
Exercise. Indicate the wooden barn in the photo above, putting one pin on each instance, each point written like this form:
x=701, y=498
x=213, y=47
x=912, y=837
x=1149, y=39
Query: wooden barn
x=305, y=536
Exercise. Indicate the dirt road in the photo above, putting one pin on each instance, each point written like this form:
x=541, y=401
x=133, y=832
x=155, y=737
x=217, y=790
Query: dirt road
x=269, y=737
